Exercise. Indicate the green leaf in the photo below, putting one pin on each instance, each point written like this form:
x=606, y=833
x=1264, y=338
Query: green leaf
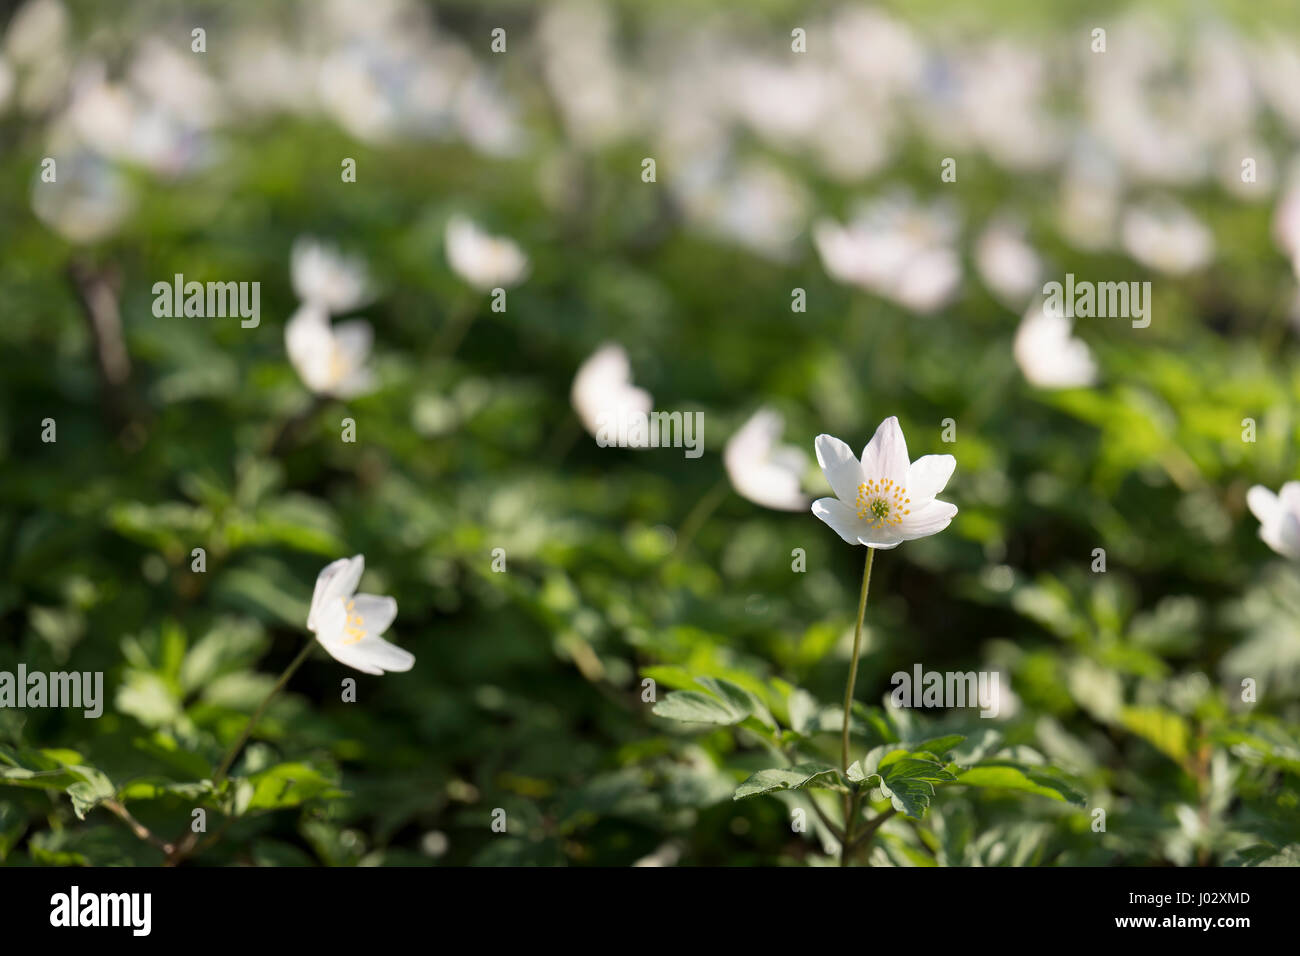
x=802, y=707
x=787, y=778
x=738, y=697
x=1165, y=731
x=938, y=746
x=1044, y=781
x=93, y=789
x=697, y=707
x=288, y=785
x=908, y=783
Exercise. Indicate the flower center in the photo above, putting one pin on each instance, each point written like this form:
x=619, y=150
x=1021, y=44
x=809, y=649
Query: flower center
x=881, y=502
x=355, y=629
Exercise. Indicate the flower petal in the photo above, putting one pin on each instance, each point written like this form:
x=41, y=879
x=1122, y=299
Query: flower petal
x=373, y=655
x=339, y=579
x=1263, y=504
x=886, y=454
x=882, y=538
x=841, y=518
x=927, y=520
x=928, y=476
x=376, y=612
x=841, y=467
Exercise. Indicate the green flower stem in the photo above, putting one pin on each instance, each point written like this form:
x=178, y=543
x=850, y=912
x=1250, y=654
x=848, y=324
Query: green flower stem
x=261, y=708
x=456, y=326
x=851, y=799
x=705, y=506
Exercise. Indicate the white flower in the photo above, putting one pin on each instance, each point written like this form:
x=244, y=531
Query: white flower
x=882, y=501
x=348, y=624
x=1007, y=262
x=603, y=393
x=1279, y=517
x=897, y=249
x=1167, y=238
x=485, y=262
x=325, y=278
x=330, y=360
x=762, y=471
x=1048, y=355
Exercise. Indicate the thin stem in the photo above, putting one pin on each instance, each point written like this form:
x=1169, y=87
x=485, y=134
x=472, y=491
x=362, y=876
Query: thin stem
x=138, y=828
x=261, y=708
x=691, y=525
x=875, y=824
x=186, y=844
x=851, y=799
x=455, y=328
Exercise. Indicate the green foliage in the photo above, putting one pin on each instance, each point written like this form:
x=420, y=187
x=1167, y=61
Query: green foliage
x=1122, y=691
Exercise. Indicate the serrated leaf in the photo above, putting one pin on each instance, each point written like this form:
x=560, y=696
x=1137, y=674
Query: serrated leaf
x=786, y=778
x=738, y=697
x=909, y=782
x=92, y=790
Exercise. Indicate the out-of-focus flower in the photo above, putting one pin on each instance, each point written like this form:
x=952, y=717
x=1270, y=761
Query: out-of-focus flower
x=1007, y=262
x=1088, y=207
x=1279, y=517
x=485, y=262
x=758, y=206
x=1049, y=355
x=37, y=32
x=882, y=500
x=87, y=202
x=1230, y=165
x=6, y=83
x=330, y=359
x=897, y=249
x=603, y=393
x=115, y=120
x=326, y=278
x=598, y=103
x=766, y=473
x=1286, y=217
x=348, y=625
x=1167, y=238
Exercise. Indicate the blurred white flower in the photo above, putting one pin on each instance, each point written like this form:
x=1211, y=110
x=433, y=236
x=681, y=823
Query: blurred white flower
x=897, y=249
x=326, y=278
x=348, y=624
x=766, y=473
x=1049, y=355
x=6, y=83
x=330, y=359
x=87, y=202
x=37, y=32
x=1286, y=217
x=1088, y=206
x=757, y=206
x=485, y=262
x=116, y=120
x=1167, y=238
x=603, y=392
x=1279, y=517
x=580, y=61
x=882, y=500
x=1007, y=262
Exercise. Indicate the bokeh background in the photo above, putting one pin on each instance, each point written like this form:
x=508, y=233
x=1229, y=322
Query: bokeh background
x=527, y=691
